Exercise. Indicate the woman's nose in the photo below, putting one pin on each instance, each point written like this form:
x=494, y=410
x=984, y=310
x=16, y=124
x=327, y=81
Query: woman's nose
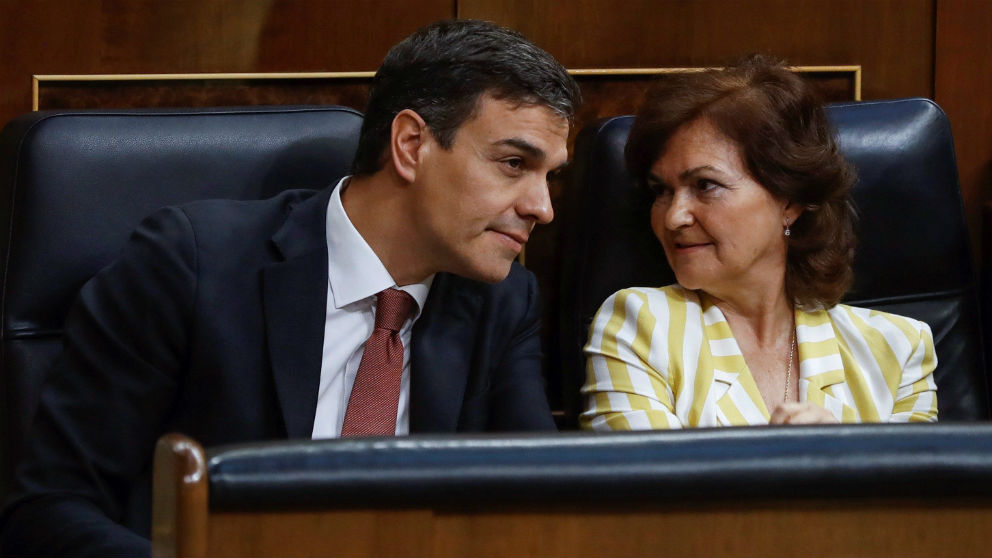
x=679, y=212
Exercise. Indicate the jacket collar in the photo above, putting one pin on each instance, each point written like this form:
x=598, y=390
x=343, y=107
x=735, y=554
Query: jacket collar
x=820, y=361
x=295, y=304
x=441, y=354
x=734, y=390
x=294, y=291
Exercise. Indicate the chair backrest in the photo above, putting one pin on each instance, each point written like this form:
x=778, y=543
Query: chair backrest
x=913, y=254
x=73, y=184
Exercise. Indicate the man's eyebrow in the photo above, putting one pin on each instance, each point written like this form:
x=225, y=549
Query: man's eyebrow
x=525, y=146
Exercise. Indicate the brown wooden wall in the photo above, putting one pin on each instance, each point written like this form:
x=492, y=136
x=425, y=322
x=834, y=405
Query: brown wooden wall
x=963, y=87
x=940, y=49
x=933, y=48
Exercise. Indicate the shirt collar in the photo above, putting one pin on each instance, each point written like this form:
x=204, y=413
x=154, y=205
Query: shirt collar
x=354, y=271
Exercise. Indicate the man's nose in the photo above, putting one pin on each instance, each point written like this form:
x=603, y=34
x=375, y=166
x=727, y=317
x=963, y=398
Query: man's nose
x=535, y=203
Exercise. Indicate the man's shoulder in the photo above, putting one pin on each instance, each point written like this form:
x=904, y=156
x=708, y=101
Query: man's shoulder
x=238, y=225
x=213, y=209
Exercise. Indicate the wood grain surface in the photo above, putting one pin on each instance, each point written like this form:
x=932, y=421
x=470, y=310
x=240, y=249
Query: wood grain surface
x=799, y=528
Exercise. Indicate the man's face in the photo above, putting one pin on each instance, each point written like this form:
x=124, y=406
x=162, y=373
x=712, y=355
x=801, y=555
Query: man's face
x=476, y=203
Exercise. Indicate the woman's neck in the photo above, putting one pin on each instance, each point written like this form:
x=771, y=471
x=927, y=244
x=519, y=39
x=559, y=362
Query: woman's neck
x=766, y=319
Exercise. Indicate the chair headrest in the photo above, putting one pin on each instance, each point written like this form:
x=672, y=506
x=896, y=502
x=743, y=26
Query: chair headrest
x=78, y=182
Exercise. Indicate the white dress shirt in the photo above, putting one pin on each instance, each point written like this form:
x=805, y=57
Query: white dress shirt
x=354, y=276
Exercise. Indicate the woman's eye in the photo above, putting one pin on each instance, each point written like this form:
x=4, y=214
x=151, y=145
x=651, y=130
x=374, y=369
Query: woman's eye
x=705, y=185
x=658, y=189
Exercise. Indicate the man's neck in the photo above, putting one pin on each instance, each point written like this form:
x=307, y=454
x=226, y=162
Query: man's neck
x=377, y=207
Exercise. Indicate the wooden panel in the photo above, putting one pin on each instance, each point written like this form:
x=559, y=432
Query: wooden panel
x=611, y=95
x=124, y=93
x=798, y=528
x=179, y=500
x=191, y=36
x=606, y=93
x=963, y=87
x=892, y=40
x=321, y=533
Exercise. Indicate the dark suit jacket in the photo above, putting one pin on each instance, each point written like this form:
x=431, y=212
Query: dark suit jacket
x=212, y=323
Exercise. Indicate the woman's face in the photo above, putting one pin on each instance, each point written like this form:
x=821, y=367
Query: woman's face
x=722, y=231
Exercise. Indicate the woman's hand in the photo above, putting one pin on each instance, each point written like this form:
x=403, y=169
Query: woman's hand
x=802, y=413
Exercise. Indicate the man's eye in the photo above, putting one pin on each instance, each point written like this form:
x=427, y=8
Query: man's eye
x=515, y=163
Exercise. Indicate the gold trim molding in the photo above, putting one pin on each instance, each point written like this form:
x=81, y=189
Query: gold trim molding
x=40, y=81
x=37, y=81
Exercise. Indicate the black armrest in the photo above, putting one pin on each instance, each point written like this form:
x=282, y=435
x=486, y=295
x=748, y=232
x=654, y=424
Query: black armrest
x=674, y=466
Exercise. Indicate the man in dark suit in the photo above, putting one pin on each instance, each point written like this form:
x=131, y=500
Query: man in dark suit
x=242, y=321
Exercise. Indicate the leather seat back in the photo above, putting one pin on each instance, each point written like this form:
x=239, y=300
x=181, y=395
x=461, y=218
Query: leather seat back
x=73, y=184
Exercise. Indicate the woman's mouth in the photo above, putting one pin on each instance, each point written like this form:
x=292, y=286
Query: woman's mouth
x=689, y=247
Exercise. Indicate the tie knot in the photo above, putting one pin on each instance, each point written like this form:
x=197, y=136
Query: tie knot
x=394, y=307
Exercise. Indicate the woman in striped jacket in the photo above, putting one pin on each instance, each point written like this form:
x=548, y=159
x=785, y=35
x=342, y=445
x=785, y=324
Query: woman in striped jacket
x=752, y=206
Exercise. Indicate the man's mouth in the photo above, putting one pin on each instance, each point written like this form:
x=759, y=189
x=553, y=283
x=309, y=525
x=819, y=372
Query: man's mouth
x=518, y=236
x=513, y=239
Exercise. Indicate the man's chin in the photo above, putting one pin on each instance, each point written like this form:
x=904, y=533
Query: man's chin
x=491, y=273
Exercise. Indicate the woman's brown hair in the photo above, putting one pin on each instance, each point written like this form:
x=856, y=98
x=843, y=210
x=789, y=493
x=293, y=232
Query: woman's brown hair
x=788, y=147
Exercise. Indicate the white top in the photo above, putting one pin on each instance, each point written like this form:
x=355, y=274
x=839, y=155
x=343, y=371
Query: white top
x=354, y=276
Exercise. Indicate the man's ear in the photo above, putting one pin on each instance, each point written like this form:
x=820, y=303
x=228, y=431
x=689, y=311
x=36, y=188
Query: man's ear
x=409, y=132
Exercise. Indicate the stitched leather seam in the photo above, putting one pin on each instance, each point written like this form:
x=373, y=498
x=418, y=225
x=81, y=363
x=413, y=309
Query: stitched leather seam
x=908, y=298
x=22, y=334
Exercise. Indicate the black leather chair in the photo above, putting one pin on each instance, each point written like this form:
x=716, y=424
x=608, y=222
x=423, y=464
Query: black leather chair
x=73, y=184
x=913, y=256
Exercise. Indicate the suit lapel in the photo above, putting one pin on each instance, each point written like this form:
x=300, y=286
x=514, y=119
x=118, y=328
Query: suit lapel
x=441, y=355
x=719, y=400
x=820, y=363
x=734, y=397
x=295, y=301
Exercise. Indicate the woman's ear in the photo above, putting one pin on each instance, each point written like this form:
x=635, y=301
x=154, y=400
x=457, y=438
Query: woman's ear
x=791, y=212
x=408, y=134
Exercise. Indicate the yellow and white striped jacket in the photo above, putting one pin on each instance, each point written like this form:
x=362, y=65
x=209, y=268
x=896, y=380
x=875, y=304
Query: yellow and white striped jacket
x=666, y=358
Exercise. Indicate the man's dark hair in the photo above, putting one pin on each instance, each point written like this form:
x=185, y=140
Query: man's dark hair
x=442, y=70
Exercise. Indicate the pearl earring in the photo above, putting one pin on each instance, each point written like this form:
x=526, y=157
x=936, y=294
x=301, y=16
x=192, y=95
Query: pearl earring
x=787, y=231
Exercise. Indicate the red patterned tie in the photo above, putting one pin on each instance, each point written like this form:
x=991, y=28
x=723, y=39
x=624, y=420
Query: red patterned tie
x=376, y=392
